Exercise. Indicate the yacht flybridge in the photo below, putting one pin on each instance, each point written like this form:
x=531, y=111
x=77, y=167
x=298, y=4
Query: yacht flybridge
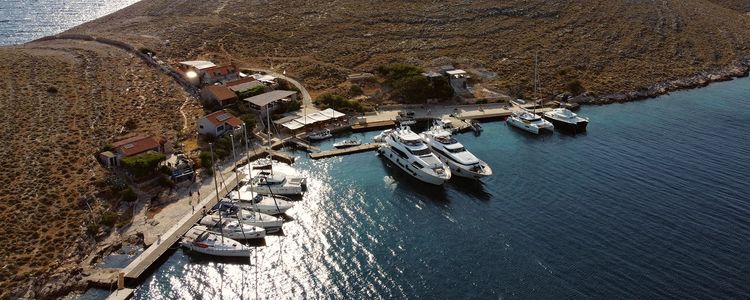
x=564, y=119
x=405, y=148
x=461, y=162
x=530, y=122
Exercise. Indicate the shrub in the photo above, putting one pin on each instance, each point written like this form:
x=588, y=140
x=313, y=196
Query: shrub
x=52, y=90
x=146, y=51
x=249, y=120
x=355, y=90
x=166, y=182
x=115, y=183
x=109, y=218
x=414, y=89
x=205, y=158
x=338, y=102
x=143, y=164
x=130, y=124
x=254, y=91
x=575, y=87
x=128, y=195
x=107, y=147
x=92, y=229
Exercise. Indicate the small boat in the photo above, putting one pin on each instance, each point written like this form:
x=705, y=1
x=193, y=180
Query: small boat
x=347, y=144
x=566, y=120
x=263, y=163
x=247, y=199
x=320, y=135
x=233, y=229
x=475, y=126
x=201, y=240
x=407, y=122
x=530, y=122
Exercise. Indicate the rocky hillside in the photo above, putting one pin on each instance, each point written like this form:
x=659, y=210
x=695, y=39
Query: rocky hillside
x=61, y=101
x=609, y=46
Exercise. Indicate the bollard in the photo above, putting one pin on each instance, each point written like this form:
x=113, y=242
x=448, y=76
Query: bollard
x=121, y=280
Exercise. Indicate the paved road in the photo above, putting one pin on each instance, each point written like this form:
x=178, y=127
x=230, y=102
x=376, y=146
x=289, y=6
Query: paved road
x=306, y=99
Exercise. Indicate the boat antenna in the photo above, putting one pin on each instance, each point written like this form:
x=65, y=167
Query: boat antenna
x=216, y=186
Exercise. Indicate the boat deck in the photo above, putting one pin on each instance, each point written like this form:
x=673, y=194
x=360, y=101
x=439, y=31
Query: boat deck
x=345, y=151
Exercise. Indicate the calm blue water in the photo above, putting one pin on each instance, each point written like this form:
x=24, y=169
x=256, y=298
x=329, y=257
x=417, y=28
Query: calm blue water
x=25, y=20
x=653, y=202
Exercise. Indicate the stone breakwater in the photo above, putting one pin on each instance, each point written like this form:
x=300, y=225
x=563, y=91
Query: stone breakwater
x=737, y=69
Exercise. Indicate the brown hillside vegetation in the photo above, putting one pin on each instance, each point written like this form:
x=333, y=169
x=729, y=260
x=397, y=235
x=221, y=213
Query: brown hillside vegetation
x=610, y=46
x=60, y=103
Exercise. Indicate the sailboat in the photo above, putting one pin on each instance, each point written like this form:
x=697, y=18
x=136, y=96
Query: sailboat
x=199, y=239
x=530, y=121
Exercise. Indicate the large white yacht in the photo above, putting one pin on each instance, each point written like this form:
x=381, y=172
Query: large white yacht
x=530, y=122
x=201, y=240
x=270, y=223
x=462, y=162
x=247, y=199
x=233, y=229
x=405, y=148
x=564, y=119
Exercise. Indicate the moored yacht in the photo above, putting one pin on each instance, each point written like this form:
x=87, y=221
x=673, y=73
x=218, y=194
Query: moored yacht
x=530, y=122
x=201, y=240
x=233, y=229
x=405, y=148
x=564, y=119
x=269, y=223
x=247, y=199
x=276, y=183
x=320, y=135
x=461, y=162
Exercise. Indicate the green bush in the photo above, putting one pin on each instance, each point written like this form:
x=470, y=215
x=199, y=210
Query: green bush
x=166, y=182
x=409, y=83
x=339, y=103
x=414, y=89
x=205, y=158
x=92, y=229
x=249, y=120
x=254, y=91
x=128, y=195
x=144, y=164
x=109, y=218
x=355, y=90
x=575, y=87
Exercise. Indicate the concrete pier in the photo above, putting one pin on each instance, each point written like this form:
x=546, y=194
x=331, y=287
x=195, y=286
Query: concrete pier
x=345, y=151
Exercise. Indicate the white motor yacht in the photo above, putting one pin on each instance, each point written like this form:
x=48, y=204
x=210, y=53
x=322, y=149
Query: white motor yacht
x=232, y=228
x=530, y=122
x=201, y=240
x=247, y=199
x=461, y=162
x=276, y=183
x=405, y=148
x=270, y=223
x=566, y=120
x=381, y=136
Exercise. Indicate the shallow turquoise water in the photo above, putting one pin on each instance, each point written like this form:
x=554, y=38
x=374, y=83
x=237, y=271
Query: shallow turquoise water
x=651, y=203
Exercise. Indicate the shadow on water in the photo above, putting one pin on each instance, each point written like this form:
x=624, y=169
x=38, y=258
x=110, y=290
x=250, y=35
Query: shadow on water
x=470, y=187
x=409, y=184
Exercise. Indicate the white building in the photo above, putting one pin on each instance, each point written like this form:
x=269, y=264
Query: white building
x=219, y=122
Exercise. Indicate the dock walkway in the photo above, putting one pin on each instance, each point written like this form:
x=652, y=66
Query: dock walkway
x=122, y=294
x=344, y=151
x=138, y=266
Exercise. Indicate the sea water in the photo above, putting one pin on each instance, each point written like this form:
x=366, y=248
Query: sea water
x=652, y=202
x=25, y=20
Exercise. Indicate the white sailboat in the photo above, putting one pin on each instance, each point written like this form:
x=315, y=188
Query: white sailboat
x=461, y=162
x=267, y=204
x=233, y=229
x=530, y=121
x=201, y=240
x=270, y=223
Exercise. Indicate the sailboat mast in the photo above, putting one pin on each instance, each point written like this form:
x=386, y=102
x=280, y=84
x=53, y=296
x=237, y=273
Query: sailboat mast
x=536, y=78
x=216, y=186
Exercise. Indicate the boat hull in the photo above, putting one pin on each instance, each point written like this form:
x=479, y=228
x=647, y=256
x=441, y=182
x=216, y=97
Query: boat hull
x=465, y=172
x=567, y=126
x=527, y=127
x=387, y=153
x=216, y=252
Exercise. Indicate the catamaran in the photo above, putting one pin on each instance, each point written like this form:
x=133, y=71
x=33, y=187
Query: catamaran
x=530, y=122
x=201, y=240
x=406, y=150
x=461, y=162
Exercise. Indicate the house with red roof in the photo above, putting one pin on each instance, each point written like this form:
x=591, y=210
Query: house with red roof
x=219, y=122
x=219, y=94
x=220, y=74
x=130, y=147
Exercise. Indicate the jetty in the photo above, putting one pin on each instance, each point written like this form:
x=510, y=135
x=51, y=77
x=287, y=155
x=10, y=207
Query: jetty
x=345, y=151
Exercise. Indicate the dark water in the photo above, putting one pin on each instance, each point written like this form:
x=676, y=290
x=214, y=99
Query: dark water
x=652, y=202
x=25, y=20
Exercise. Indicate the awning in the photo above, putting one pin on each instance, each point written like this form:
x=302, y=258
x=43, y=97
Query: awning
x=332, y=114
x=318, y=117
x=293, y=125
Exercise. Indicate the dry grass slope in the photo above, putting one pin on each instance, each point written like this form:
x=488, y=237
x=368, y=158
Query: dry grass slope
x=610, y=46
x=49, y=138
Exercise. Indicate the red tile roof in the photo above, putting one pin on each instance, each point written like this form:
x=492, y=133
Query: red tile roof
x=221, y=93
x=220, y=117
x=136, y=145
x=221, y=70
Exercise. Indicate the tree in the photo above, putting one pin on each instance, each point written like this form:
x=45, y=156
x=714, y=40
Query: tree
x=414, y=89
x=575, y=87
x=144, y=164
